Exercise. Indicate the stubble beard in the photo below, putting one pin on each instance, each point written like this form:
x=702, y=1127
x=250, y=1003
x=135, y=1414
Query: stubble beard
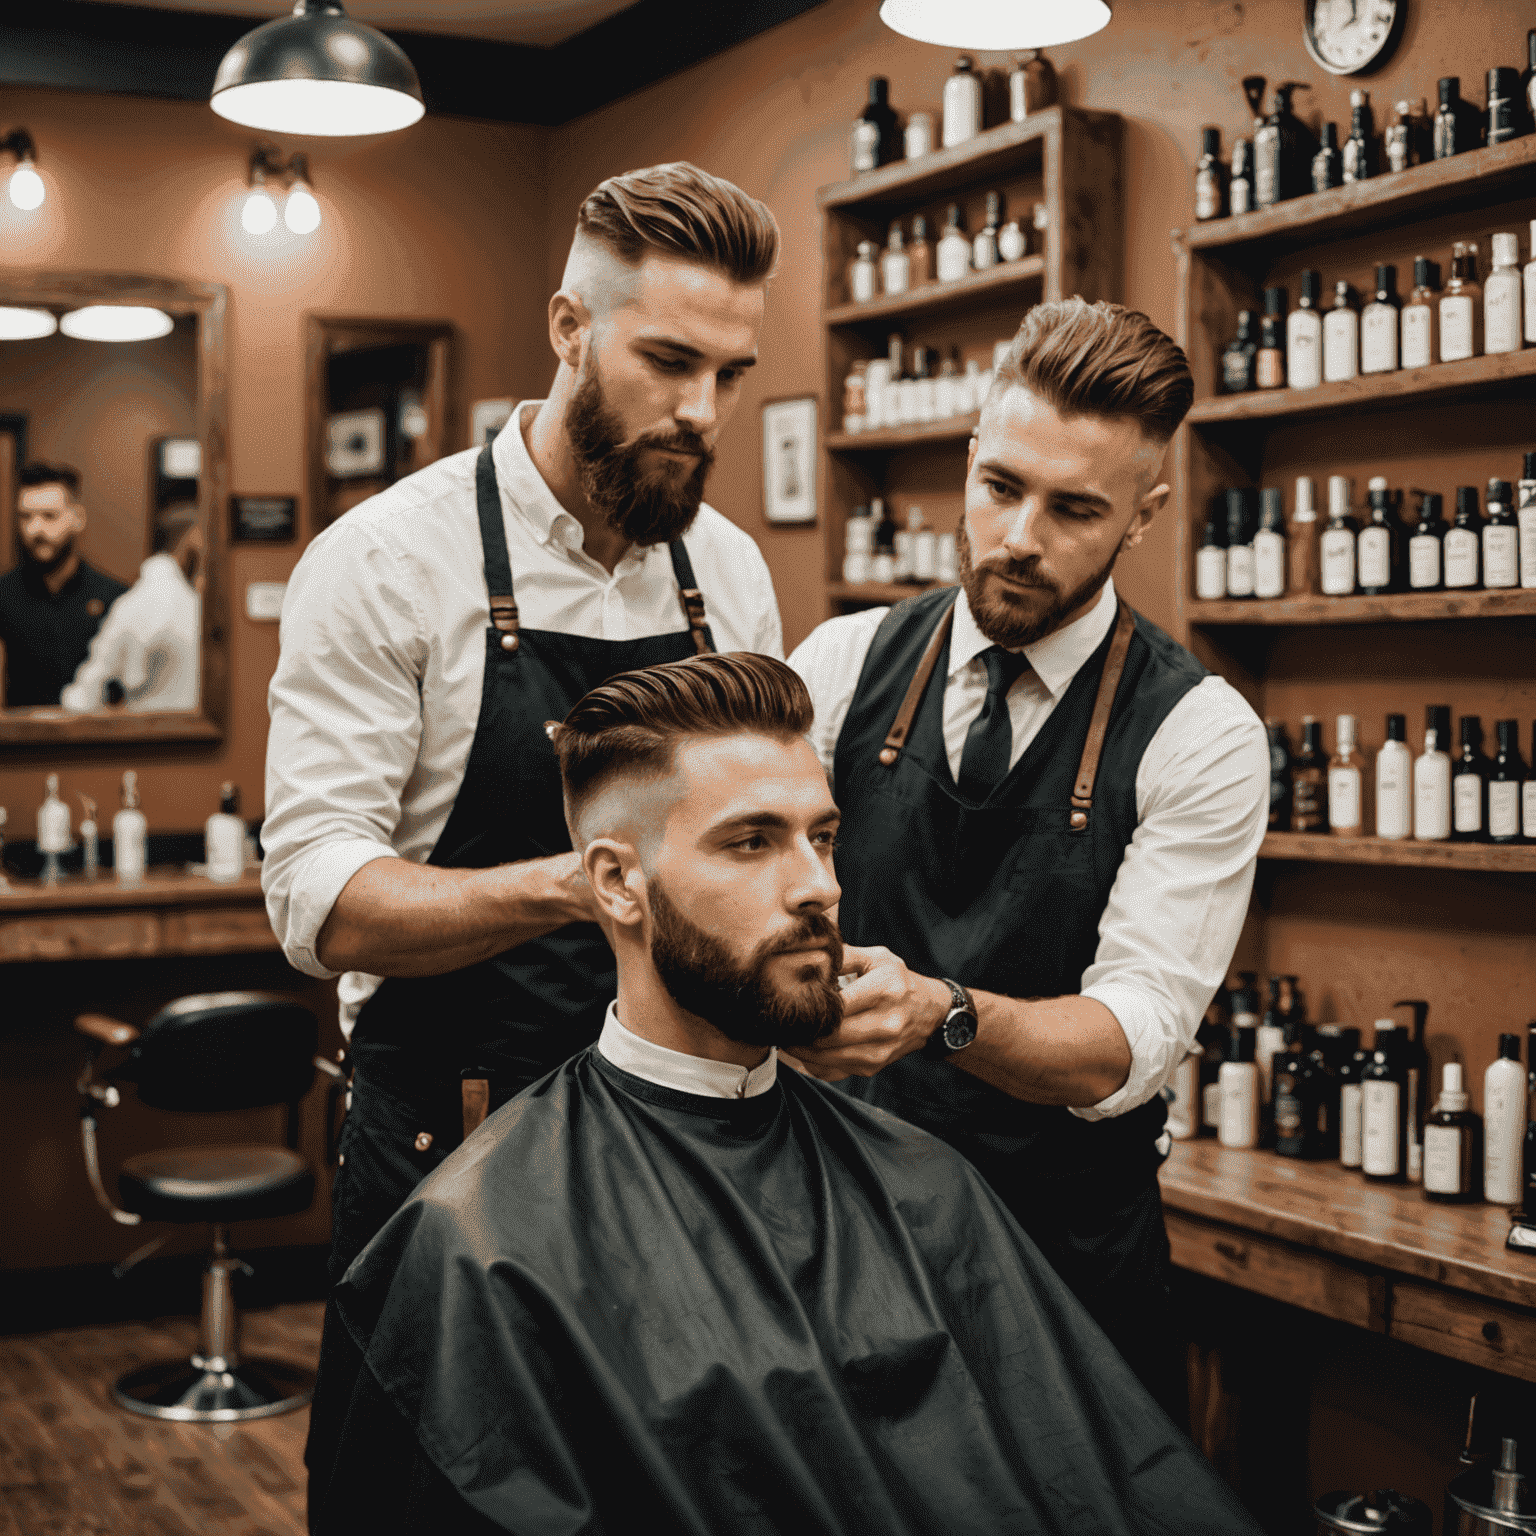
x=1002, y=621
x=53, y=562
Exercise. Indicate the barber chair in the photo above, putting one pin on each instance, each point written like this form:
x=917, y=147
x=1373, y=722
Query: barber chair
x=211, y=1052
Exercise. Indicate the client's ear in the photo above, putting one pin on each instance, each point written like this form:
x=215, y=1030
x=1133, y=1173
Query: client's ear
x=613, y=871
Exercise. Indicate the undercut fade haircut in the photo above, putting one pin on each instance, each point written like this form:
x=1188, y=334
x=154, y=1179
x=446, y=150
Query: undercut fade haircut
x=678, y=210
x=1100, y=360
x=632, y=724
x=38, y=473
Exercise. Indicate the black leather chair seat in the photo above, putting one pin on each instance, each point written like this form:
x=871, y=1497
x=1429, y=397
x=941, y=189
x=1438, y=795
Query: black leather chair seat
x=222, y=1184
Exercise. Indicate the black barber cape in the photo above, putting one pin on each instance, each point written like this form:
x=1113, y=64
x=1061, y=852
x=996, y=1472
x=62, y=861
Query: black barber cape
x=622, y=1309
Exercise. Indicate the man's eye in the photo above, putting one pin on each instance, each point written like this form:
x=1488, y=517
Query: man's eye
x=751, y=844
x=1069, y=511
x=998, y=491
x=669, y=364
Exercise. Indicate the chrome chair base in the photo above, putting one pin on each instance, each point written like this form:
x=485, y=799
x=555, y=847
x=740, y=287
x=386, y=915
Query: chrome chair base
x=211, y=1391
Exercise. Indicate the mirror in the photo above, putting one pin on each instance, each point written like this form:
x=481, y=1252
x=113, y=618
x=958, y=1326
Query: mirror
x=113, y=477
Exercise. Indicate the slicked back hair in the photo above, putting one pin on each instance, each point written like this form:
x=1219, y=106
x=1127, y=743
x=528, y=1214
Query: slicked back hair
x=678, y=210
x=38, y=473
x=1100, y=360
x=632, y=724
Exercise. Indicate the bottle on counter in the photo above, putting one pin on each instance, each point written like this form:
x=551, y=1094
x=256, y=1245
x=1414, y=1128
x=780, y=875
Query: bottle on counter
x=224, y=837
x=858, y=546
x=1210, y=178
x=1504, y=1124
x=1360, y=148
x=895, y=264
x=1304, y=335
x=1469, y=785
x=1031, y=85
x=1463, y=543
x=1351, y=1108
x=130, y=834
x=1426, y=546
x=1456, y=127
x=1501, y=537
x=984, y=252
x=1309, y=780
x=920, y=253
x=1303, y=555
x=1502, y=119
x=1240, y=186
x=954, y=250
x=1346, y=797
x=962, y=103
x=1269, y=546
x=917, y=139
x=1303, y=1125
x=1238, y=1081
x=1240, y=543
x=1453, y=1143
x=1338, y=542
x=1420, y=320
x=1379, y=322
x=1432, y=778
x=1394, y=782
x=1268, y=1043
x=1502, y=304
x=1279, y=776
x=1341, y=337
x=1269, y=360
x=1328, y=162
x=1525, y=517
x=874, y=141
x=55, y=835
x=1461, y=306
x=1238, y=361
x=1383, y=1109
x=1184, y=1097
x=1214, y=1037
x=1505, y=780
x=1335, y=1048
x=863, y=273
x=1379, y=548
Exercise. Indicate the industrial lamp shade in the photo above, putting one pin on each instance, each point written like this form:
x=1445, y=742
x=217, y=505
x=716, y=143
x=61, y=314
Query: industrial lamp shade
x=317, y=72
x=983, y=25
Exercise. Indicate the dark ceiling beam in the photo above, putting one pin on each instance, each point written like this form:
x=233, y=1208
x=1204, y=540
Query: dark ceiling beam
x=80, y=45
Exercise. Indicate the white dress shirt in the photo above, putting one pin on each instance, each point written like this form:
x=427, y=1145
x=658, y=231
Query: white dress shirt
x=639, y=1057
x=1202, y=806
x=377, y=689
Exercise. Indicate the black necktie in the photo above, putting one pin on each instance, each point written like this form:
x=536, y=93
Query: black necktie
x=989, y=742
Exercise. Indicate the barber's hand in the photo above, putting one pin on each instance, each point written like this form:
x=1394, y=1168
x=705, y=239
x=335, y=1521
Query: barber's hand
x=581, y=900
x=888, y=1012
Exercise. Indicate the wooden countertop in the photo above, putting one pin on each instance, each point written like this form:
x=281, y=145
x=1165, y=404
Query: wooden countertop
x=1334, y=1210
x=164, y=886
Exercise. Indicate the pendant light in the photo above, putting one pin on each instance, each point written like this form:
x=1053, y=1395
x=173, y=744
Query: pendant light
x=18, y=324
x=26, y=186
x=996, y=25
x=317, y=72
x=116, y=322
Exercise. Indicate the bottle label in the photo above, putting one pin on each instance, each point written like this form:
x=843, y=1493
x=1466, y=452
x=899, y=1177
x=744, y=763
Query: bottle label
x=1443, y=1159
x=1418, y=333
x=1375, y=557
x=1211, y=573
x=1351, y=1126
x=1424, y=561
x=1528, y=807
x=896, y=270
x=1344, y=798
x=1431, y=799
x=1455, y=327
x=1268, y=565
x=1269, y=370
x=1381, y=1116
x=1501, y=313
x=1528, y=539
x=1288, y=1110
x=1501, y=555
x=1338, y=562
x=1240, y=195
x=1341, y=345
x=1391, y=794
x=1308, y=787
x=1304, y=360
x=1467, y=798
x=1504, y=810
x=1266, y=168
x=1461, y=558
x=1378, y=339
x=1240, y=571
x=954, y=256
x=866, y=146
x=1207, y=195
x=1239, y=1105
x=863, y=281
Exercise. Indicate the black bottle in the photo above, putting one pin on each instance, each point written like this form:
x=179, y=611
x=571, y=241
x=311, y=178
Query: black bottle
x=1379, y=547
x=1528, y=1202
x=1240, y=185
x=1458, y=124
x=1463, y=563
x=876, y=140
x=1505, y=781
x=1214, y=1038
x=1351, y=1119
x=1309, y=780
x=1360, y=151
x=1426, y=546
x=1469, y=785
x=1300, y=1101
x=1415, y=1060
x=1384, y=1109
x=1337, y=1047
x=1453, y=1144
x=1328, y=163
x=1210, y=178
x=1283, y=150
x=1279, y=777
x=1238, y=365
x=1504, y=117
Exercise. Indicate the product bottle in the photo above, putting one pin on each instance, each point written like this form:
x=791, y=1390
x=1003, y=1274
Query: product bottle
x=858, y=546
x=1210, y=178
x=130, y=834
x=925, y=551
x=1012, y=242
x=1238, y=1081
x=1304, y=557
x=1360, y=149
x=954, y=250
x=920, y=253
x=1279, y=776
x=90, y=842
x=1309, y=780
x=882, y=564
x=1240, y=187
x=947, y=386
x=856, y=397
x=1469, y=785
x=1378, y=325
x=1269, y=546
x=1399, y=139
x=984, y=252
x=1505, y=779
x=1421, y=317
x=1426, y=546
x=1184, y=1097
x=1501, y=537
x=1302, y=1123
x=224, y=837
x=1504, y=1118
x=1328, y=163
x=1453, y=1144
x=1338, y=541
x=1244, y=1000
x=917, y=140
x=1528, y=281
x=875, y=141
x=1383, y=1109
x=1463, y=543
x=1345, y=788
x=1269, y=361
x=1268, y=1045
x=1502, y=120
x=962, y=103
x=926, y=406
x=1335, y=1048
x=1394, y=782
x=895, y=265
x=1525, y=495
x=54, y=832
x=1380, y=546
x=903, y=543
x=1461, y=309
x=1283, y=150
x=1238, y=360
x=1351, y=1109
x=863, y=274
x=1341, y=338
x=1304, y=335
x=1502, y=316
x=1214, y=1038
x=1031, y=85
x=1240, y=543
x=1528, y=794
x=1453, y=133
x=1432, y=778
x=1528, y=1155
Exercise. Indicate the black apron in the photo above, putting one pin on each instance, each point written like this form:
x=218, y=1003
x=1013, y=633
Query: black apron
x=1006, y=896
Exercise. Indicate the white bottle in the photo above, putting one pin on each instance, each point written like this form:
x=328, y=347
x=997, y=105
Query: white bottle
x=1012, y=242
x=1501, y=297
x=1381, y=1108
x=1337, y=545
x=1394, y=779
x=985, y=252
x=1504, y=1090
x=1378, y=328
x=1501, y=540
x=1239, y=1084
x=130, y=834
x=1345, y=800
x=1529, y=276
x=224, y=838
x=1269, y=546
x=962, y=103
x=895, y=264
x=858, y=545
x=90, y=843
x=1463, y=546
x=952, y=256
x=917, y=140
x=1432, y=781
x=1525, y=515
x=862, y=285
x=1458, y=307
x=946, y=558
x=973, y=392
x=1184, y=1106
x=1351, y=1125
x=877, y=385
x=925, y=555
x=1211, y=571
x=1304, y=336
x=54, y=834
x=1341, y=338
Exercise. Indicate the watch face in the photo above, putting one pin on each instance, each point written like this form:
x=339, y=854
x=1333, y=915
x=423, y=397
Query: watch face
x=959, y=1030
x=1346, y=36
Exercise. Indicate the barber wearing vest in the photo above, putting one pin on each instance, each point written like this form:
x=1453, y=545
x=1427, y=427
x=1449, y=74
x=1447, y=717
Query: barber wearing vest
x=1051, y=814
x=415, y=835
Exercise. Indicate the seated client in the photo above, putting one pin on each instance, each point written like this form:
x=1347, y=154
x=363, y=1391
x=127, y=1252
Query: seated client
x=671, y=1288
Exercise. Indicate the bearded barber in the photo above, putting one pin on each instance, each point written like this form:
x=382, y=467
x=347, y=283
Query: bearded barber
x=415, y=836
x=1051, y=815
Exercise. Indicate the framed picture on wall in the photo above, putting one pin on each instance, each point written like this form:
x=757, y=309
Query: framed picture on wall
x=789, y=460
x=262, y=519
x=354, y=443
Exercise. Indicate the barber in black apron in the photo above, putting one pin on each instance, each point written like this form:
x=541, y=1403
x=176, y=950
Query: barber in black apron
x=1075, y=874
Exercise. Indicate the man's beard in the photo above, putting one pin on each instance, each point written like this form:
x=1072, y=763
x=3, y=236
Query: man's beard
x=646, y=508
x=737, y=996
x=998, y=618
x=53, y=562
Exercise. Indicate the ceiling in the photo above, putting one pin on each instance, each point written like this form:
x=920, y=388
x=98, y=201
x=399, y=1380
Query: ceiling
x=533, y=23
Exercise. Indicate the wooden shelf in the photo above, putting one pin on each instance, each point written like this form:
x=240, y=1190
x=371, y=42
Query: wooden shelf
x=879, y=593
x=977, y=287
x=1481, y=178
x=1396, y=608
x=1323, y=848
x=957, y=429
x=1376, y=391
x=160, y=887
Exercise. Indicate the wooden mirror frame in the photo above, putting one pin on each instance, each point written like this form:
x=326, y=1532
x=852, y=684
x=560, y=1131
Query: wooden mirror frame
x=208, y=301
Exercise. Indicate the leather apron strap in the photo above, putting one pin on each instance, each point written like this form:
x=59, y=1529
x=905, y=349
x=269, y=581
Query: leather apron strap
x=493, y=539
x=692, y=599
x=901, y=726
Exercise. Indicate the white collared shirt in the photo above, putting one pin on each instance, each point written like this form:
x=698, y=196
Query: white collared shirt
x=377, y=689
x=640, y=1057
x=1202, y=805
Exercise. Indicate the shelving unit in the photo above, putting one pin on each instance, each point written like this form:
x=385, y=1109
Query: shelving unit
x=1063, y=157
x=1394, y=608
x=1324, y=848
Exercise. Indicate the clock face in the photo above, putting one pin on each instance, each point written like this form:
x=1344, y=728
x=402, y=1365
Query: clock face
x=1346, y=36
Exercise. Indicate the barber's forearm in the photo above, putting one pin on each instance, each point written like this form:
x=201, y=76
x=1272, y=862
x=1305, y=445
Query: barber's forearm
x=1053, y=1050
x=398, y=918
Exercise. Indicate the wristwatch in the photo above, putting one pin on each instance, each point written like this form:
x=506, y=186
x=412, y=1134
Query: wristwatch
x=957, y=1028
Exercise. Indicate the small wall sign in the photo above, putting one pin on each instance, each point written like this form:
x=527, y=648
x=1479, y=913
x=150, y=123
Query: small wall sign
x=262, y=519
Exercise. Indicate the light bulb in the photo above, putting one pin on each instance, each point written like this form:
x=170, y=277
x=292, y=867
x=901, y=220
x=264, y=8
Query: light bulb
x=318, y=108
x=995, y=25
x=259, y=214
x=27, y=189
x=301, y=213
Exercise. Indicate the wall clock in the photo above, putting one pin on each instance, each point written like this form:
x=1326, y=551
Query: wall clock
x=1348, y=37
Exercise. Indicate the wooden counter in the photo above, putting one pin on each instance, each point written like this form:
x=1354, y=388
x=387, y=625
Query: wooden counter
x=168, y=913
x=1382, y=1257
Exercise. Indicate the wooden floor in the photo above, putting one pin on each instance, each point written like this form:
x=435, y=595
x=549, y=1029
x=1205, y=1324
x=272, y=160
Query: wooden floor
x=72, y=1462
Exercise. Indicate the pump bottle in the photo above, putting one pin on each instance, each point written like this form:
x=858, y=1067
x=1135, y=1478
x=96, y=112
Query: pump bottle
x=130, y=834
x=1383, y=1109
x=224, y=837
x=1239, y=1085
x=1453, y=1143
x=1432, y=778
x=1345, y=796
x=1504, y=1112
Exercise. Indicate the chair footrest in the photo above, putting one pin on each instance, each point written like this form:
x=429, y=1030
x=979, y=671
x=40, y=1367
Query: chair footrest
x=193, y=1393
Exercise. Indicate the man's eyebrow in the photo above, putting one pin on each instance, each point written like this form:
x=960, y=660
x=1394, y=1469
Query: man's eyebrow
x=750, y=821
x=685, y=350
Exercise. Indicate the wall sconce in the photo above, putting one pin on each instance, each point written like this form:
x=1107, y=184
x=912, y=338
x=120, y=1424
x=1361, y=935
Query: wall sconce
x=27, y=189
x=301, y=213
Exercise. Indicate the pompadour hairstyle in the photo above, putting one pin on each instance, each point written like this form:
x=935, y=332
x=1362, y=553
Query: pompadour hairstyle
x=38, y=473
x=678, y=210
x=632, y=723
x=1100, y=360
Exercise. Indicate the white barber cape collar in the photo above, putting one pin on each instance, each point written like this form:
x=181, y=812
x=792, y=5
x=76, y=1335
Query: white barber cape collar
x=679, y=1071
